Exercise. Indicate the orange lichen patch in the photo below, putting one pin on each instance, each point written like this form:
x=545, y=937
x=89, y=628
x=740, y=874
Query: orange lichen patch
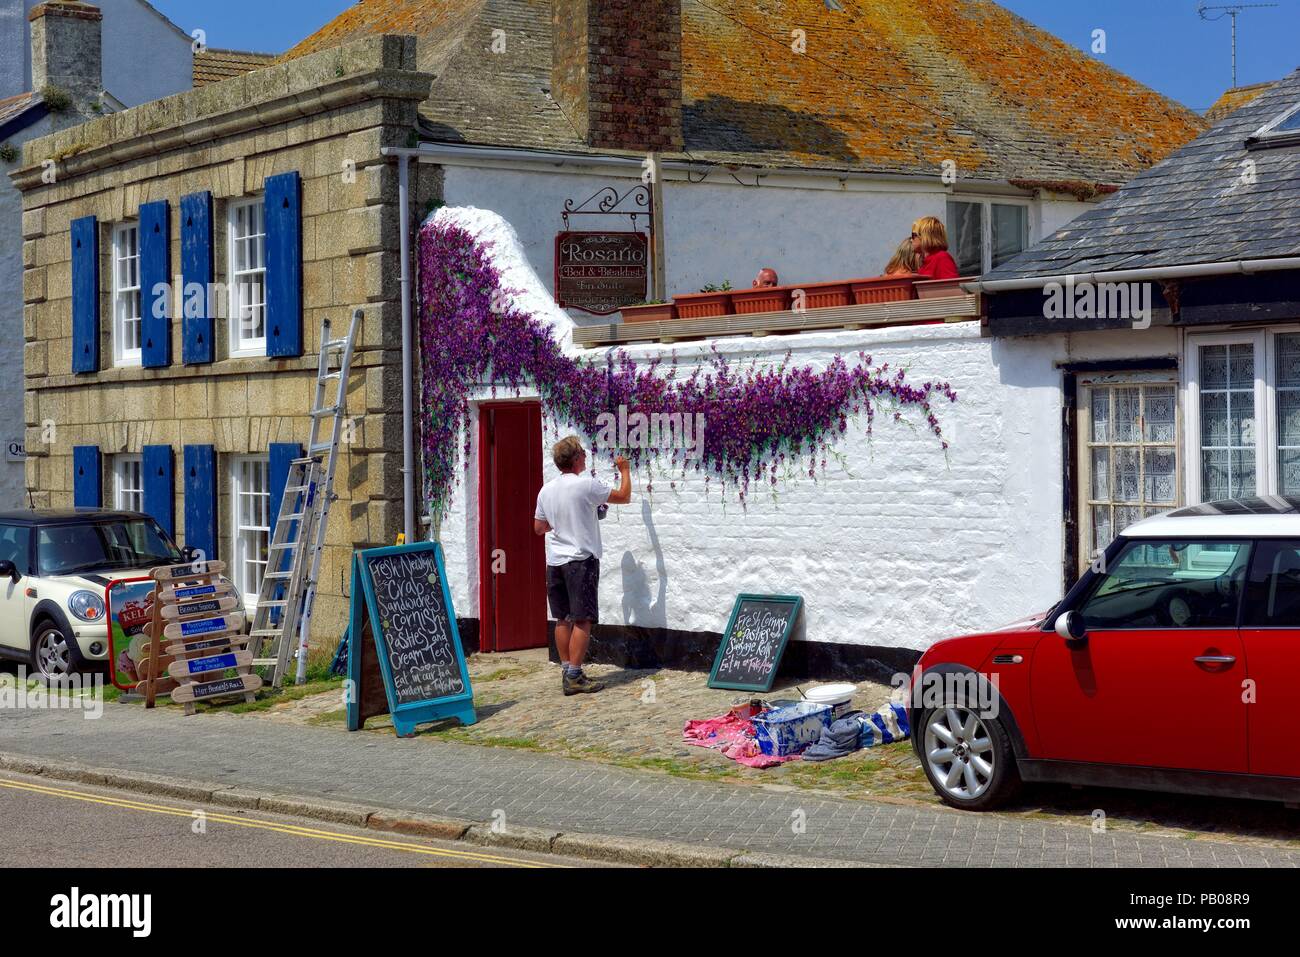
x=212, y=65
x=1234, y=99
x=845, y=99
x=1076, y=103
x=885, y=85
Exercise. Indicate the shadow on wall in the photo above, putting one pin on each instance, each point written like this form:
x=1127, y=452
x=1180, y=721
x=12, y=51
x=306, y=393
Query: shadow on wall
x=721, y=123
x=638, y=609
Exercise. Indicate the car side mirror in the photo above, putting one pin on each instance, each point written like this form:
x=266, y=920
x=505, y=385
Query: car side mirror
x=9, y=570
x=1070, y=626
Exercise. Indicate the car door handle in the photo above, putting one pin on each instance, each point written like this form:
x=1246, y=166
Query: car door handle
x=1215, y=659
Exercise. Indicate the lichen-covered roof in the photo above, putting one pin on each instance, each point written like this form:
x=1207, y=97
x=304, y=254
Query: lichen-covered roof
x=212, y=65
x=11, y=106
x=1213, y=201
x=885, y=86
x=1234, y=99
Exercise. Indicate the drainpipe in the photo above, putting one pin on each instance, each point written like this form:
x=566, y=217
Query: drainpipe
x=408, y=427
x=1243, y=267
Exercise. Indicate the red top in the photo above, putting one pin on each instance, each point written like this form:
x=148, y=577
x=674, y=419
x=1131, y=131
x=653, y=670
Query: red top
x=938, y=265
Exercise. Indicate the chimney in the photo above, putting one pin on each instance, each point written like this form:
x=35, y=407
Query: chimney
x=66, y=49
x=616, y=71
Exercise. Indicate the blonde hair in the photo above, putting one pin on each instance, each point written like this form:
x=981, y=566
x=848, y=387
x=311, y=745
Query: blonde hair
x=904, y=259
x=931, y=233
x=565, y=452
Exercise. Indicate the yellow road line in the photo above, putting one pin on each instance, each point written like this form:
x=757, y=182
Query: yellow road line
x=293, y=830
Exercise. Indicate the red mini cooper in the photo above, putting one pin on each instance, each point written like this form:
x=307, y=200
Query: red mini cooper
x=1171, y=665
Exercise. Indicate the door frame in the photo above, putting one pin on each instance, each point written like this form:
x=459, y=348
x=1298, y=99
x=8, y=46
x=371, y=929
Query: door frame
x=487, y=604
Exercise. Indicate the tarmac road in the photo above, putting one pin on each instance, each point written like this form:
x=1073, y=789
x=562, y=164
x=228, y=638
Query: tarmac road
x=55, y=824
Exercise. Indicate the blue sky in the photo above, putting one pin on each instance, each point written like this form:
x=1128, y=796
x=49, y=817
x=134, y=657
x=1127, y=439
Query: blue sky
x=1162, y=43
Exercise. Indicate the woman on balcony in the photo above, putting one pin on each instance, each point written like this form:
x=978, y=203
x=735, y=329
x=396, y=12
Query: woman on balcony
x=930, y=240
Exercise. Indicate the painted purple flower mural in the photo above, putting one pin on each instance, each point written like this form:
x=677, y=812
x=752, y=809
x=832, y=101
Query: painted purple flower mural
x=762, y=421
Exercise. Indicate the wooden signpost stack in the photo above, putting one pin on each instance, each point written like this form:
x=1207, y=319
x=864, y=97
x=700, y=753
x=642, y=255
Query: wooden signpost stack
x=196, y=631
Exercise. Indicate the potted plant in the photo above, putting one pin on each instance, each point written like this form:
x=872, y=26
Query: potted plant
x=657, y=311
x=761, y=299
x=883, y=289
x=938, y=288
x=825, y=295
x=710, y=301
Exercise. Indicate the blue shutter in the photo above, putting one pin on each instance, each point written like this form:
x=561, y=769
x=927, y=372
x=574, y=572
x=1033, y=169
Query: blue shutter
x=200, y=477
x=159, y=486
x=284, y=265
x=282, y=456
x=85, y=294
x=87, y=477
x=155, y=272
x=197, y=327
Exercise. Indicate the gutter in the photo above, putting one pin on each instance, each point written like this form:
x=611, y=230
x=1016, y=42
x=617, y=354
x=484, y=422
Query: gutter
x=1243, y=267
x=428, y=152
x=408, y=435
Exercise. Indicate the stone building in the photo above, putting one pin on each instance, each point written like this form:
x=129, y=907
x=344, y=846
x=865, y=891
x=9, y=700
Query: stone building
x=268, y=191
x=62, y=63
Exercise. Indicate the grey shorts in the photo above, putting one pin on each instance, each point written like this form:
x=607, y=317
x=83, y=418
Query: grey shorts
x=572, y=590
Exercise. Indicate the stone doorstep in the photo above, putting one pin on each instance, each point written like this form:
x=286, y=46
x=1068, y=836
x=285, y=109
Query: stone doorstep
x=643, y=852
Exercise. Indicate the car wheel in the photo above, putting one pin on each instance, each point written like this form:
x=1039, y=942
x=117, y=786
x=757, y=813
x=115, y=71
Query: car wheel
x=54, y=654
x=968, y=758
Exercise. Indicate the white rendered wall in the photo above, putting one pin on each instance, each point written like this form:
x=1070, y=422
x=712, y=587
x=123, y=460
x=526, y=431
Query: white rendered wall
x=807, y=228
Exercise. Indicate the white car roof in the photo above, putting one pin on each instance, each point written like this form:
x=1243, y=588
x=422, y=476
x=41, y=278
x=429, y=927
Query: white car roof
x=1270, y=516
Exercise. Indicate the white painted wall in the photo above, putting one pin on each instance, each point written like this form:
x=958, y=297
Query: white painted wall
x=902, y=549
x=807, y=228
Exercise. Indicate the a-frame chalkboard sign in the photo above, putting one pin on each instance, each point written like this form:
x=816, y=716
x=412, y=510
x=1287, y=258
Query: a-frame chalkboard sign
x=754, y=642
x=403, y=637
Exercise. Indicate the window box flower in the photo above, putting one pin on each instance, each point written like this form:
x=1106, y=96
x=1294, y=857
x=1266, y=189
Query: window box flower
x=761, y=299
x=649, y=312
x=826, y=295
x=883, y=289
x=939, y=288
x=702, y=305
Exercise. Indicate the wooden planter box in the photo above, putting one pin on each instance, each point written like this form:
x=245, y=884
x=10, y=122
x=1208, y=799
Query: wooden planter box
x=654, y=312
x=703, y=305
x=939, y=288
x=826, y=295
x=883, y=289
x=765, y=299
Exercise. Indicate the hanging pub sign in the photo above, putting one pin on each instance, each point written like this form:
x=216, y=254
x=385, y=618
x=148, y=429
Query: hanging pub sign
x=601, y=272
x=404, y=652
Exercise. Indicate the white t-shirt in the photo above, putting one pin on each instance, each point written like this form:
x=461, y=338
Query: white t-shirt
x=568, y=504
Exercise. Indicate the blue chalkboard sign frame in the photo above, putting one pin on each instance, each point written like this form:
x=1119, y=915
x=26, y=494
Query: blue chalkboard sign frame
x=405, y=716
x=794, y=600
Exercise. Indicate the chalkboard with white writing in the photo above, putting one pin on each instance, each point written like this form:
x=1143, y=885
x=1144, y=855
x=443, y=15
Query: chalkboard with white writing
x=755, y=639
x=401, y=604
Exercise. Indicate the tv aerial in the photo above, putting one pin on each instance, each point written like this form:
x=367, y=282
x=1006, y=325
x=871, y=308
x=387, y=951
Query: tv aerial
x=1229, y=10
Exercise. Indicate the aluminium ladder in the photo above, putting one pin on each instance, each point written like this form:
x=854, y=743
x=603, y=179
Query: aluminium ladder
x=288, y=588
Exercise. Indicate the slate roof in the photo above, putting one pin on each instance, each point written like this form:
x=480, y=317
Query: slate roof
x=212, y=66
x=1198, y=206
x=891, y=86
x=11, y=106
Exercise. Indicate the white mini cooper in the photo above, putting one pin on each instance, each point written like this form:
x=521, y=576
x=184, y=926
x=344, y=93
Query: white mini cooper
x=54, y=566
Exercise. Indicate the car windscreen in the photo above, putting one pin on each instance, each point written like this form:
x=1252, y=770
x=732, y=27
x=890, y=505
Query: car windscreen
x=102, y=546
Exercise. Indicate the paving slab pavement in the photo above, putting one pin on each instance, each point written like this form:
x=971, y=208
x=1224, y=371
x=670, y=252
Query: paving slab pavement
x=531, y=790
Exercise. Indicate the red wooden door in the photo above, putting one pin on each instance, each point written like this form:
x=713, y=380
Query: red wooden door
x=512, y=560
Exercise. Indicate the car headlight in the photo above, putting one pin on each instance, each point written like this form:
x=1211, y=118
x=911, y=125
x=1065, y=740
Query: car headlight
x=86, y=605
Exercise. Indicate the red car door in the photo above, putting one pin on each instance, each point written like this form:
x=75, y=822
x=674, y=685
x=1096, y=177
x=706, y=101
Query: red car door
x=1271, y=635
x=1157, y=681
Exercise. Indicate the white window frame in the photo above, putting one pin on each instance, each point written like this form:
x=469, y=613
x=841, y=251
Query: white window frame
x=128, y=470
x=1269, y=135
x=986, y=223
x=239, y=344
x=1266, y=464
x=1084, y=444
x=241, y=533
x=124, y=295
